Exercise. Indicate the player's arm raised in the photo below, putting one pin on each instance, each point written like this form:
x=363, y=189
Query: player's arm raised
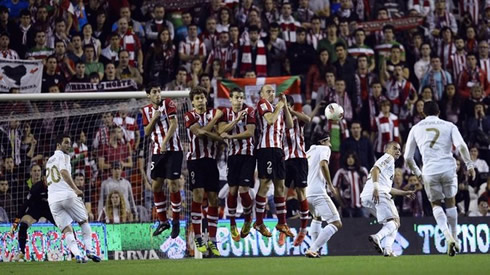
x=171, y=131
x=271, y=117
x=210, y=126
x=301, y=116
x=200, y=132
x=224, y=127
x=149, y=128
x=287, y=113
x=463, y=149
x=243, y=135
x=409, y=152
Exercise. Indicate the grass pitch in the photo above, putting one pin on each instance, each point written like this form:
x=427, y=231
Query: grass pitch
x=430, y=264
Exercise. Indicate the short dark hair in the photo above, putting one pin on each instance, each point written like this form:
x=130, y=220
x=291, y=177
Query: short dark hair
x=274, y=25
x=52, y=57
x=340, y=44
x=150, y=86
x=61, y=137
x=181, y=68
x=300, y=30
x=319, y=136
x=236, y=90
x=431, y=108
x=88, y=46
x=3, y=178
x=253, y=28
x=25, y=12
x=388, y=27
x=197, y=91
x=79, y=175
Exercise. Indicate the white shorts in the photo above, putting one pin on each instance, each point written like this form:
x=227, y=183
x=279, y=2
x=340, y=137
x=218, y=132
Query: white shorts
x=323, y=207
x=440, y=186
x=384, y=210
x=69, y=210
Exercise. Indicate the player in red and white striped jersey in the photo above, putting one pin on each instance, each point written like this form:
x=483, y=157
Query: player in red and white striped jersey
x=297, y=164
x=272, y=123
x=160, y=121
x=238, y=126
x=202, y=166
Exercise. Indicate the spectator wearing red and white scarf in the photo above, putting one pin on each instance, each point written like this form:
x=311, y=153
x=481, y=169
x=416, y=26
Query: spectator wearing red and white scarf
x=288, y=24
x=130, y=42
x=440, y=18
x=253, y=54
x=472, y=76
x=386, y=128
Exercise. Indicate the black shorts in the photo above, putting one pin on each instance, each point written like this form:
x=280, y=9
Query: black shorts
x=41, y=210
x=270, y=163
x=203, y=173
x=166, y=166
x=297, y=172
x=241, y=169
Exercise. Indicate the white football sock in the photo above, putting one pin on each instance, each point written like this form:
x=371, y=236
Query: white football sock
x=315, y=228
x=452, y=220
x=323, y=237
x=387, y=229
x=72, y=243
x=389, y=240
x=87, y=236
x=441, y=221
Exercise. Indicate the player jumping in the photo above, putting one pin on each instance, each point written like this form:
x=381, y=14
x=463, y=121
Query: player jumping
x=160, y=121
x=238, y=126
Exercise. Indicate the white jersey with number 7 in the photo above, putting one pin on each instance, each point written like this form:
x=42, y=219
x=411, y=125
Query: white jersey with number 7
x=58, y=189
x=434, y=138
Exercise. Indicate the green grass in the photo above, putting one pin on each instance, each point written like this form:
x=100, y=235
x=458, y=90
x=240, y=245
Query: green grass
x=430, y=265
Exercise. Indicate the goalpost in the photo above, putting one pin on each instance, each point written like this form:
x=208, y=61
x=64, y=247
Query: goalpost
x=29, y=124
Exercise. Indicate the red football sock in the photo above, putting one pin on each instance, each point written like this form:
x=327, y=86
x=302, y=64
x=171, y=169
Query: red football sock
x=280, y=209
x=232, y=204
x=260, y=203
x=247, y=205
x=161, y=205
x=176, y=201
x=196, y=217
x=303, y=210
x=212, y=222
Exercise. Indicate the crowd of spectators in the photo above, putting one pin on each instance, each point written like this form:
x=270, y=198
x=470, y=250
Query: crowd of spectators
x=381, y=76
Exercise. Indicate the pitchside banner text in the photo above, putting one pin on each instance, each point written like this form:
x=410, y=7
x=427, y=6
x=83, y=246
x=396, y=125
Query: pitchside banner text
x=23, y=74
x=417, y=236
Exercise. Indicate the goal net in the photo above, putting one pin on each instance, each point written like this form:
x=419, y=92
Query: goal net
x=106, y=132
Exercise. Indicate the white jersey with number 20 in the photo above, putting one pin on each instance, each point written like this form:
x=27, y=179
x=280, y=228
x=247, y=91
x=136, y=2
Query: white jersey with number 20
x=435, y=138
x=58, y=189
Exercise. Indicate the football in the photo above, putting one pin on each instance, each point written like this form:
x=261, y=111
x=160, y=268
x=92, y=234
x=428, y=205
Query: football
x=334, y=112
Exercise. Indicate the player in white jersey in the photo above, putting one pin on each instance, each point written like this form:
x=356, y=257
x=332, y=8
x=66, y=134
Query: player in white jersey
x=376, y=196
x=319, y=203
x=435, y=138
x=65, y=202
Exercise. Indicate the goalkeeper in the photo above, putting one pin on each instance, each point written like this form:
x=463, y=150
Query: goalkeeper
x=35, y=207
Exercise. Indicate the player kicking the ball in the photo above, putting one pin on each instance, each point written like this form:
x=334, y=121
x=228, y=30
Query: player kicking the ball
x=376, y=196
x=435, y=137
x=65, y=202
x=160, y=121
x=320, y=204
x=238, y=126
